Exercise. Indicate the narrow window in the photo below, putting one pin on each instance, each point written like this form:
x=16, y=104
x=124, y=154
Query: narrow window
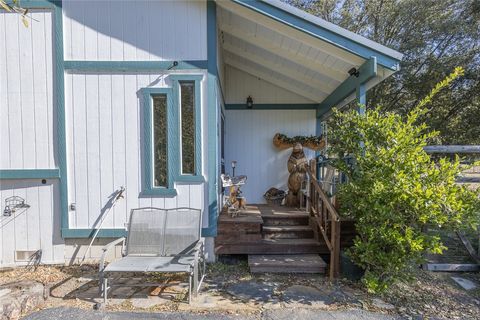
x=160, y=159
x=187, y=98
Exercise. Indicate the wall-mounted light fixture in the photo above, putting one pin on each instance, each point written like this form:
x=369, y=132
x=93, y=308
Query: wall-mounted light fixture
x=354, y=72
x=249, y=102
x=234, y=164
x=13, y=203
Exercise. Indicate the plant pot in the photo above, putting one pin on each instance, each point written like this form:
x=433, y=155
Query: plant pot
x=348, y=269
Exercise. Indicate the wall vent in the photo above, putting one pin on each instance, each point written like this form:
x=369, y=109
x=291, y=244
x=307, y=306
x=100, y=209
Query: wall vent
x=26, y=255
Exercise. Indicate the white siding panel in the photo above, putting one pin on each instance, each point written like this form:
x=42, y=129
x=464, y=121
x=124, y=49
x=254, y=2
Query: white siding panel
x=249, y=141
x=105, y=132
x=137, y=30
x=33, y=228
x=26, y=91
x=239, y=85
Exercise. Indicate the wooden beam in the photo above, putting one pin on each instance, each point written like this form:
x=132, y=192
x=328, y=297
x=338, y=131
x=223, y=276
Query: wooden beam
x=268, y=45
x=367, y=71
x=230, y=60
x=475, y=149
x=322, y=86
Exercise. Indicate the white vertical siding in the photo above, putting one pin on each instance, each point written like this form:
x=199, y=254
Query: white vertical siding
x=249, y=136
x=105, y=134
x=135, y=30
x=34, y=228
x=239, y=85
x=26, y=94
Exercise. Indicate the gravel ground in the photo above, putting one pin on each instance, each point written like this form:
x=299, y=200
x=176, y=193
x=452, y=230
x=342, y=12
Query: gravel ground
x=284, y=314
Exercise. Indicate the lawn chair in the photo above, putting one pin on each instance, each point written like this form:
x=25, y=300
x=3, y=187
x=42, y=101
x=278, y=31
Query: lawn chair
x=159, y=240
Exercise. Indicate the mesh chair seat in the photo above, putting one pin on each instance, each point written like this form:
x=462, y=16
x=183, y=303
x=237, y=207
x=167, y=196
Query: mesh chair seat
x=151, y=264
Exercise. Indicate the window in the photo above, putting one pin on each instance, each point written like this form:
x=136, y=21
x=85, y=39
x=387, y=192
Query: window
x=159, y=142
x=187, y=91
x=187, y=107
x=160, y=156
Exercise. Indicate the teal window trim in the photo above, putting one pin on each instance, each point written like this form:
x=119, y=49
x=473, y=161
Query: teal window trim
x=88, y=233
x=172, y=143
x=133, y=66
x=29, y=174
x=176, y=79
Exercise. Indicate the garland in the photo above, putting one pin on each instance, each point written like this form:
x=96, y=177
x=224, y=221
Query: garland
x=312, y=142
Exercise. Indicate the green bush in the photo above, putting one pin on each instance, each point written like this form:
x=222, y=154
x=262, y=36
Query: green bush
x=395, y=191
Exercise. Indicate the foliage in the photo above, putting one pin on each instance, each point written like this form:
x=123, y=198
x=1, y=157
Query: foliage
x=300, y=139
x=16, y=7
x=394, y=189
x=435, y=36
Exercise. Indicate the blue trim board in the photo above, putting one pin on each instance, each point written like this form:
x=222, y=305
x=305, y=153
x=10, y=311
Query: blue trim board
x=367, y=71
x=176, y=79
x=172, y=142
x=34, y=4
x=88, y=233
x=273, y=106
x=29, y=174
x=133, y=66
x=212, y=115
x=319, y=32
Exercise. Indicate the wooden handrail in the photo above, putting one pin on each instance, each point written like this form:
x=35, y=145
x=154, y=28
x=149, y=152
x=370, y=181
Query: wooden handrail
x=326, y=217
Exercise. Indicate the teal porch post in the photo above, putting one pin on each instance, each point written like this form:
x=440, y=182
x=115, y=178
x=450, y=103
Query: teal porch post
x=361, y=98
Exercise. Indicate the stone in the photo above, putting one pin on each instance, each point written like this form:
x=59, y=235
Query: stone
x=465, y=283
x=307, y=296
x=251, y=291
x=380, y=304
x=4, y=292
x=18, y=297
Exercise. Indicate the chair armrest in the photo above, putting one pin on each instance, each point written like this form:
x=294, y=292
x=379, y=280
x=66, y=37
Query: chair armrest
x=106, y=248
x=198, y=249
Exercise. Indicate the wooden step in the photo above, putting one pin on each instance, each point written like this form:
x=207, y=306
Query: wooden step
x=287, y=232
x=285, y=219
x=305, y=263
x=273, y=246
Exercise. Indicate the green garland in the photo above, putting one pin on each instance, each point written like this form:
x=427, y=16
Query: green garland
x=301, y=139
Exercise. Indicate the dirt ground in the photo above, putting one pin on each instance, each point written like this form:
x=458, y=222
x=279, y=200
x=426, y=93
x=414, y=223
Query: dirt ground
x=232, y=289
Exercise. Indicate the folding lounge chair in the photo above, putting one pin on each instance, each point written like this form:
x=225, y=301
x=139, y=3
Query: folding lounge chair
x=158, y=240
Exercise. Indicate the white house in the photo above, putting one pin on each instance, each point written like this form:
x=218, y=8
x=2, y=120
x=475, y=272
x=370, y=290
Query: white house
x=151, y=95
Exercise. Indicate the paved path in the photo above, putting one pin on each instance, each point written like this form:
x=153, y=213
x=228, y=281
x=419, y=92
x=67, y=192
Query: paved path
x=277, y=314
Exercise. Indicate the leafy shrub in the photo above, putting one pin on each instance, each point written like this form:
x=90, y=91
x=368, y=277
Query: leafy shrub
x=394, y=190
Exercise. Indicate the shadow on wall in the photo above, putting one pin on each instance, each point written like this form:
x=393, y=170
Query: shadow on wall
x=141, y=30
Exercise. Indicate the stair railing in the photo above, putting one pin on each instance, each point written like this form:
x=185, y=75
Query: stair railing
x=326, y=217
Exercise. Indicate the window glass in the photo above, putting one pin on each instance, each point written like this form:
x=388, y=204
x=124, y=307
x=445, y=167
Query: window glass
x=160, y=140
x=187, y=98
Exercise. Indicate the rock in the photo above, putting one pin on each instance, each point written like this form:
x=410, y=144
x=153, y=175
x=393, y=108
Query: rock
x=307, y=296
x=380, y=304
x=18, y=297
x=251, y=291
x=465, y=283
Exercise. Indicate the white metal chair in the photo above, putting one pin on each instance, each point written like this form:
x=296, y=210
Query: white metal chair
x=159, y=240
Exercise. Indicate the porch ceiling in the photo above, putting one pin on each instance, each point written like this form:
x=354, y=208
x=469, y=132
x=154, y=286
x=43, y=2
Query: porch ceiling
x=275, y=50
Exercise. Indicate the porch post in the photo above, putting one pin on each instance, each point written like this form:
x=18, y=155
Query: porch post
x=361, y=98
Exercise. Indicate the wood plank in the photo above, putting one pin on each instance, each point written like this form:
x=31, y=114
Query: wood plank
x=451, y=267
x=468, y=246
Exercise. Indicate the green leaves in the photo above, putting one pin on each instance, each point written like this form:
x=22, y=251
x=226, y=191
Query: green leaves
x=395, y=191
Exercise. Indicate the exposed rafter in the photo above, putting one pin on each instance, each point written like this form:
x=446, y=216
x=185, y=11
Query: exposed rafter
x=268, y=45
x=278, y=67
x=287, y=30
x=285, y=84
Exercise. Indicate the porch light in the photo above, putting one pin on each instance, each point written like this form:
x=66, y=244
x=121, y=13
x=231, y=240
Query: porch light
x=249, y=102
x=234, y=164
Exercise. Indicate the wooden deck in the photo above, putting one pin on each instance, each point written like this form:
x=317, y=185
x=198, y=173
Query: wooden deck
x=264, y=229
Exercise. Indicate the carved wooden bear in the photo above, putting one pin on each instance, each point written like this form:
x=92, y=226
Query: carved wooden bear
x=296, y=165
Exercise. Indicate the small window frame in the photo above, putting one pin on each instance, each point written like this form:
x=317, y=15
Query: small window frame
x=149, y=189
x=196, y=79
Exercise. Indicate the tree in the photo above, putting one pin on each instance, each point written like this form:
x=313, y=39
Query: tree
x=435, y=36
x=394, y=189
x=16, y=7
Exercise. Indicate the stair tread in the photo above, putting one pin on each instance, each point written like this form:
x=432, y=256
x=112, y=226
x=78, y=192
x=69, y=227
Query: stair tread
x=286, y=215
x=280, y=228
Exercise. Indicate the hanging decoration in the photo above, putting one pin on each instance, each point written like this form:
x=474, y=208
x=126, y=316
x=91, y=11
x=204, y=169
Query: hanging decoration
x=315, y=143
